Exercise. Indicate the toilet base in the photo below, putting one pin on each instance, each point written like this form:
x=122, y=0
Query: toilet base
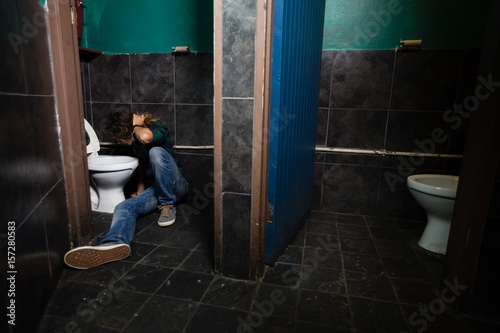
x=109, y=199
x=94, y=198
x=435, y=235
x=109, y=186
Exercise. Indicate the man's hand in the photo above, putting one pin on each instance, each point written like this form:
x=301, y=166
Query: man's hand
x=138, y=120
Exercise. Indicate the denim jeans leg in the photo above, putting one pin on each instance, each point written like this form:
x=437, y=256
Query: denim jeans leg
x=125, y=217
x=170, y=186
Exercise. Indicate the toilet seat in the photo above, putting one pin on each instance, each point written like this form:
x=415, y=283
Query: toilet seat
x=111, y=163
x=94, y=146
x=439, y=185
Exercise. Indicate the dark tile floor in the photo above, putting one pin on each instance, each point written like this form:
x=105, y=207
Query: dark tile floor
x=341, y=273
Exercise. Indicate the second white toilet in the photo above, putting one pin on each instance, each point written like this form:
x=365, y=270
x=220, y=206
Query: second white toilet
x=109, y=174
x=436, y=194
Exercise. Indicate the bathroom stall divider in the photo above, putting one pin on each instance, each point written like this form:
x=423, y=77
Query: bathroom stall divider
x=257, y=215
x=295, y=76
x=69, y=104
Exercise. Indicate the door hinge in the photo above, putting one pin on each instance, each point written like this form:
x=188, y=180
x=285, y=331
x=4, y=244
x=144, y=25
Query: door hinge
x=269, y=213
x=74, y=18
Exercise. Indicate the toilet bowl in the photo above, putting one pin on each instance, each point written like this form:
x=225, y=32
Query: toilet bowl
x=436, y=194
x=108, y=174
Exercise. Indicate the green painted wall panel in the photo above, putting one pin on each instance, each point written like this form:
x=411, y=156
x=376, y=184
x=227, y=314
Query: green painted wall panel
x=380, y=24
x=153, y=26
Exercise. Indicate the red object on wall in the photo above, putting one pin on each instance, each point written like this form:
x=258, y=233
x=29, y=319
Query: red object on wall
x=79, y=16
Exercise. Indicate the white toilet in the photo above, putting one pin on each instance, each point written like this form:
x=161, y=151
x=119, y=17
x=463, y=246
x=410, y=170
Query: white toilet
x=436, y=194
x=109, y=174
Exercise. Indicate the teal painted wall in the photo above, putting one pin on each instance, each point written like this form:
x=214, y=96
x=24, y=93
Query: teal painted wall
x=42, y=2
x=380, y=24
x=152, y=26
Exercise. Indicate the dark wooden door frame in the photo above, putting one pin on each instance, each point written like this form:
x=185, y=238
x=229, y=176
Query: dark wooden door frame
x=69, y=105
x=478, y=172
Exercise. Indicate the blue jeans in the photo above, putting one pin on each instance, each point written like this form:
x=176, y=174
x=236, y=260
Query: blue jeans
x=169, y=187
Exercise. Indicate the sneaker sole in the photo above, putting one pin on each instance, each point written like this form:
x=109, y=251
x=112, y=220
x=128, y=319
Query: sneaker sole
x=92, y=256
x=166, y=223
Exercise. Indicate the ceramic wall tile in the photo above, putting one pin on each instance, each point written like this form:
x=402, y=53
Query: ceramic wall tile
x=34, y=30
x=349, y=189
x=354, y=159
x=322, y=127
x=198, y=171
x=110, y=79
x=19, y=170
x=194, y=125
x=236, y=241
x=237, y=144
x=362, y=79
x=325, y=79
x=194, y=82
x=12, y=71
x=49, y=162
x=85, y=76
x=417, y=131
x=356, y=128
x=238, y=60
x=426, y=80
x=152, y=78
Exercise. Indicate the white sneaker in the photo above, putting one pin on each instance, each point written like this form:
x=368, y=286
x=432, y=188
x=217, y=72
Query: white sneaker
x=92, y=256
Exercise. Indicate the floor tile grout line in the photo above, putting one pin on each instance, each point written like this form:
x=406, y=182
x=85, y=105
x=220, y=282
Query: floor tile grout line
x=254, y=300
x=346, y=286
x=137, y=312
x=200, y=302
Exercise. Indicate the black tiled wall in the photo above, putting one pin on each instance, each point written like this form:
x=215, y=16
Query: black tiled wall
x=392, y=101
x=369, y=100
x=178, y=89
x=33, y=198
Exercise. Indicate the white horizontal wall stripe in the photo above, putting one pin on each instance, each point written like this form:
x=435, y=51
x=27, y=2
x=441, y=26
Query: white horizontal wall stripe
x=381, y=152
x=193, y=147
x=323, y=149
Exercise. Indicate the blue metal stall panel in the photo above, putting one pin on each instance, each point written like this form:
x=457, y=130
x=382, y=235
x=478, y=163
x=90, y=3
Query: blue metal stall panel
x=296, y=67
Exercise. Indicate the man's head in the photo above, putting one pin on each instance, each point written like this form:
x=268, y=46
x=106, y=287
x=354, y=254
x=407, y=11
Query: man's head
x=121, y=124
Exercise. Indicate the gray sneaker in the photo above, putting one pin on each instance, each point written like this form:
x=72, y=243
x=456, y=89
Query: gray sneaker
x=92, y=256
x=167, y=215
